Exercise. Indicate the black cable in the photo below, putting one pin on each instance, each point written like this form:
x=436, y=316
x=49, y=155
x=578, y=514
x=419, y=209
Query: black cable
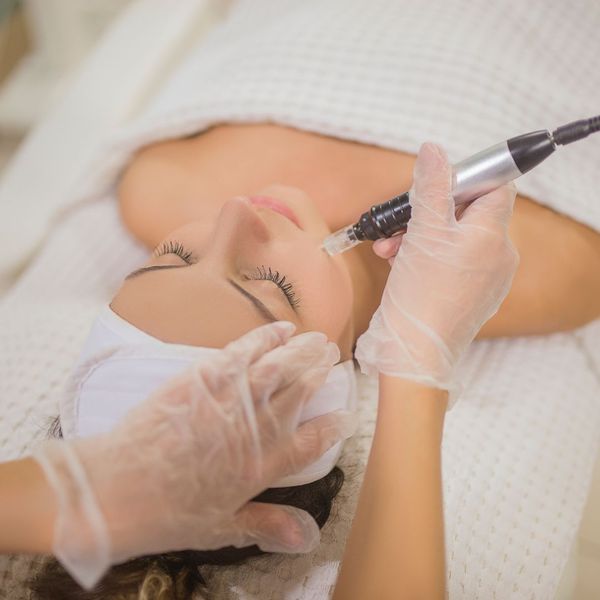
x=577, y=130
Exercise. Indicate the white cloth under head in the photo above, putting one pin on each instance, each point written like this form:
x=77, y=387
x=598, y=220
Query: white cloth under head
x=120, y=366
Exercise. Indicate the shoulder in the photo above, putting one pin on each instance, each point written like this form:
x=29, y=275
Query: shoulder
x=150, y=188
x=557, y=285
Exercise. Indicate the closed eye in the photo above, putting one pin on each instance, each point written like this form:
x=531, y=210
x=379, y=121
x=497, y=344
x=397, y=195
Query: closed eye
x=266, y=273
x=174, y=247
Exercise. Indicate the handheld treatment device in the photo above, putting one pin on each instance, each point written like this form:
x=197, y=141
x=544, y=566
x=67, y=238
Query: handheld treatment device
x=471, y=178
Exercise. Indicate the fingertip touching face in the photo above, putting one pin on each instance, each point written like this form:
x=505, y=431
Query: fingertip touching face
x=209, y=283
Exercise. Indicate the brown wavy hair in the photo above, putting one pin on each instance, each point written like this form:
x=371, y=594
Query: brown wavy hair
x=176, y=575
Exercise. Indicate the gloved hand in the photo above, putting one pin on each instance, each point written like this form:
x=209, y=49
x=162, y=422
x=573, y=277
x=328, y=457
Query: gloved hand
x=448, y=278
x=179, y=471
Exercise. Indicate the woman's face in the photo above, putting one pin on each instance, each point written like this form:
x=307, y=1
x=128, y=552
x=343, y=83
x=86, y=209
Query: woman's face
x=209, y=283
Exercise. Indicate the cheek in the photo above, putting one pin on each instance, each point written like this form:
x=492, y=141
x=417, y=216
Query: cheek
x=328, y=299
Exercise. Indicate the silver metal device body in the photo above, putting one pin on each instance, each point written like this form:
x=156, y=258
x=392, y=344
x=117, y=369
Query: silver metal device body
x=471, y=178
x=483, y=172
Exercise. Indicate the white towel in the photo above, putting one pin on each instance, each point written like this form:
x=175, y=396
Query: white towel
x=464, y=73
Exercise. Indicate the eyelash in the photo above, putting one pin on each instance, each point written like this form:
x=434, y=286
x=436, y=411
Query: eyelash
x=267, y=273
x=172, y=247
x=261, y=273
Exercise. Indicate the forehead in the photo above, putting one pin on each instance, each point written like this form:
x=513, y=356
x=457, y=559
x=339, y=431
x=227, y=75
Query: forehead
x=178, y=306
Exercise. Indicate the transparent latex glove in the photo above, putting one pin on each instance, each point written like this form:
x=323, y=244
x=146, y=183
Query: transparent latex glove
x=449, y=276
x=179, y=471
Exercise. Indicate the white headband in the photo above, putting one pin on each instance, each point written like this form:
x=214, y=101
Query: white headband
x=120, y=366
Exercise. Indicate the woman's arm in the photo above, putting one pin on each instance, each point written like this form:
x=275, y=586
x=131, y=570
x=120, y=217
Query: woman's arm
x=27, y=508
x=396, y=545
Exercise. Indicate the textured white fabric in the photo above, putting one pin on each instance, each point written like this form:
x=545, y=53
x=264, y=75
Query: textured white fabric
x=465, y=74
x=519, y=446
x=132, y=58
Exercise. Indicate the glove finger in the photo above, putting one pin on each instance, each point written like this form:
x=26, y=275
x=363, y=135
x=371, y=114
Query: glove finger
x=265, y=421
x=276, y=528
x=278, y=417
x=283, y=365
x=430, y=197
x=251, y=346
x=312, y=439
x=492, y=210
x=224, y=368
x=286, y=404
x=388, y=247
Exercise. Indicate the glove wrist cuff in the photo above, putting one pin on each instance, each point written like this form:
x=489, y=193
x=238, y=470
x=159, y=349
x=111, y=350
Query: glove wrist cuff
x=418, y=355
x=80, y=540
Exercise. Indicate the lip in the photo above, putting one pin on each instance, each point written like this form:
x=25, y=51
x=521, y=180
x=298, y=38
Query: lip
x=275, y=205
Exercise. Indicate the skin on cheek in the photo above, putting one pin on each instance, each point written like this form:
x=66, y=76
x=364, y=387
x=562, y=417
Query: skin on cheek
x=329, y=303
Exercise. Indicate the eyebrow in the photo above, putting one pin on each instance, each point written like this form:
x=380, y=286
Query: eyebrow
x=153, y=268
x=261, y=308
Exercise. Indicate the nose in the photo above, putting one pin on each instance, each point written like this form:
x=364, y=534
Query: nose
x=238, y=224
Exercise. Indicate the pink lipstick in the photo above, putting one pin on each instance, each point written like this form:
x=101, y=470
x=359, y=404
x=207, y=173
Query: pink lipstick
x=276, y=206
